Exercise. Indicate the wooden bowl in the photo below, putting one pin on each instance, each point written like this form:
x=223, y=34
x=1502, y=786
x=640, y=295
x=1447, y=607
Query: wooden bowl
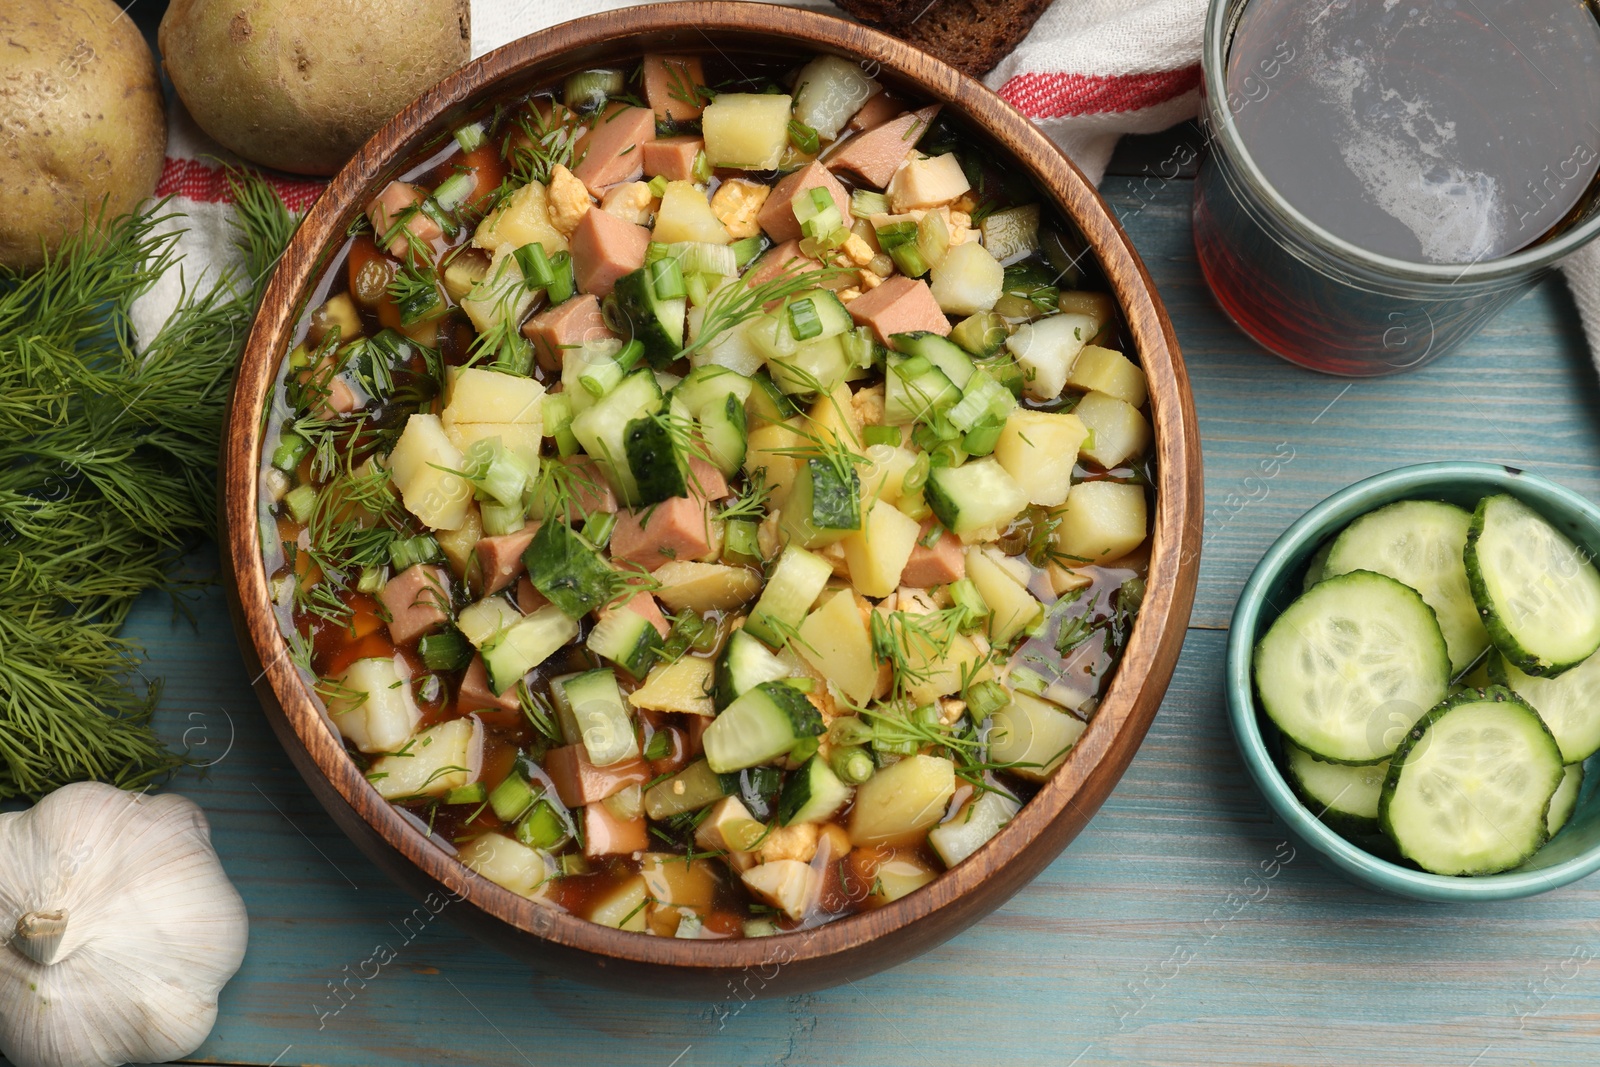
x=850, y=947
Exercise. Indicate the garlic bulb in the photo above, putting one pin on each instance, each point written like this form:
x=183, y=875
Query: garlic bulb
x=120, y=928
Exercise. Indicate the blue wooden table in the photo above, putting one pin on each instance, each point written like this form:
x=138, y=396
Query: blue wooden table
x=1181, y=928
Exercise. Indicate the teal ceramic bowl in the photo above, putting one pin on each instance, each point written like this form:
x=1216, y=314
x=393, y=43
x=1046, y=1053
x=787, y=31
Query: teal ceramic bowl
x=1573, y=853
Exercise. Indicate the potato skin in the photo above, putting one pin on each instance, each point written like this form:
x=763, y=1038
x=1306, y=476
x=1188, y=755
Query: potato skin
x=81, y=118
x=300, y=86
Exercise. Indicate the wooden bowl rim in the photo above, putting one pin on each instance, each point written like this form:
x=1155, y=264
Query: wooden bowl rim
x=1078, y=787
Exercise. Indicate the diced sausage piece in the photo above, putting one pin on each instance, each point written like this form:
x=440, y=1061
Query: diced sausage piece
x=612, y=151
x=875, y=112
x=417, y=599
x=780, y=259
x=590, y=490
x=476, y=695
x=578, y=781
x=604, y=248
x=645, y=606
x=567, y=325
x=899, y=305
x=677, y=529
x=672, y=158
x=606, y=835
x=499, y=559
x=670, y=84
x=529, y=599
x=705, y=481
x=940, y=565
x=386, y=209
x=777, y=214
x=340, y=399
x=878, y=153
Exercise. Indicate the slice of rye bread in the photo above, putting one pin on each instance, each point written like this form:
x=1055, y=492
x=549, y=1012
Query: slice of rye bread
x=970, y=35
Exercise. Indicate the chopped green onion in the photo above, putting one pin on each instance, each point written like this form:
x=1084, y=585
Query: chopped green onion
x=597, y=528
x=1028, y=680
x=803, y=137
x=447, y=650
x=982, y=439
x=536, y=270
x=470, y=137
x=804, y=322
x=435, y=211
x=853, y=765
x=804, y=685
x=896, y=234
x=820, y=198
x=515, y=359
x=502, y=519
x=906, y=747
x=861, y=347
x=300, y=500
x=566, y=441
x=916, y=475
x=496, y=471
x=986, y=698
x=740, y=541
x=542, y=827
x=292, y=448
x=824, y=224
x=927, y=717
x=474, y=793
x=588, y=90
x=864, y=203
x=659, y=746
x=701, y=256
x=512, y=797
x=849, y=730
x=744, y=250
x=909, y=259
x=557, y=412
x=667, y=279
x=454, y=190
x=931, y=538
x=562, y=284
x=629, y=354
x=964, y=594
x=573, y=864
x=701, y=171
x=698, y=286
x=653, y=251
x=407, y=552
x=881, y=435
x=658, y=186
x=602, y=377
x=371, y=580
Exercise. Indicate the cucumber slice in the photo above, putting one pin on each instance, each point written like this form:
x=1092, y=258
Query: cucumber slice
x=1314, y=566
x=796, y=581
x=1537, y=592
x=824, y=505
x=983, y=817
x=658, y=466
x=1569, y=704
x=1350, y=666
x=601, y=429
x=955, y=364
x=974, y=498
x=812, y=794
x=627, y=639
x=654, y=322
x=744, y=664
x=601, y=716
x=767, y=403
x=1344, y=797
x=567, y=570
x=524, y=645
x=1565, y=799
x=913, y=389
x=724, y=431
x=702, y=385
x=1420, y=543
x=760, y=726
x=1469, y=788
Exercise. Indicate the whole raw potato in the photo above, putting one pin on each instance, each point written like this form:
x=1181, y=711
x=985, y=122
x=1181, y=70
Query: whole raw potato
x=300, y=85
x=81, y=118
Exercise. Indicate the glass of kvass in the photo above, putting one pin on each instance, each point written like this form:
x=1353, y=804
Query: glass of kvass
x=1383, y=176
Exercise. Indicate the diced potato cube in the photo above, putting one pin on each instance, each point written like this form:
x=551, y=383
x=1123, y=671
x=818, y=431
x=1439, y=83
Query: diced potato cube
x=1100, y=308
x=746, y=130
x=461, y=544
x=1101, y=521
x=879, y=551
x=884, y=477
x=926, y=183
x=436, y=496
x=788, y=885
x=773, y=447
x=938, y=676
x=1012, y=608
x=705, y=586
x=834, y=640
x=673, y=881
x=685, y=215
x=967, y=280
x=833, y=418
x=1037, y=448
x=439, y=759
x=732, y=829
x=1033, y=731
x=623, y=908
x=829, y=90
x=372, y=705
x=901, y=800
x=683, y=686
x=480, y=395
x=521, y=439
x=898, y=877
x=489, y=617
x=523, y=870
x=1105, y=371
x=1046, y=349
x=1118, y=430
x=501, y=296
x=522, y=219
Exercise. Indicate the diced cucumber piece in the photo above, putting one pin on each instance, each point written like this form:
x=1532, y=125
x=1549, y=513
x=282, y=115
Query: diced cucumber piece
x=982, y=400
x=980, y=334
x=1565, y=799
x=659, y=467
x=974, y=498
x=705, y=384
x=796, y=581
x=767, y=403
x=915, y=390
x=512, y=797
x=567, y=570
x=525, y=644
x=744, y=664
x=824, y=504
x=601, y=715
x=949, y=358
x=696, y=786
x=602, y=428
x=723, y=432
x=1419, y=543
x=813, y=368
x=812, y=794
x=654, y=322
x=1537, y=591
x=983, y=817
x=1469, y=789
x=1569, y=703
x=760, y=726
x=627, y=639
x=1344, y=797
x=1351, y=666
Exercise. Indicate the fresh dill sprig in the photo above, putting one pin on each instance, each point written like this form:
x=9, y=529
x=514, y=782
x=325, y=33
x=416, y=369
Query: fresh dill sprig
x=735, y=302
